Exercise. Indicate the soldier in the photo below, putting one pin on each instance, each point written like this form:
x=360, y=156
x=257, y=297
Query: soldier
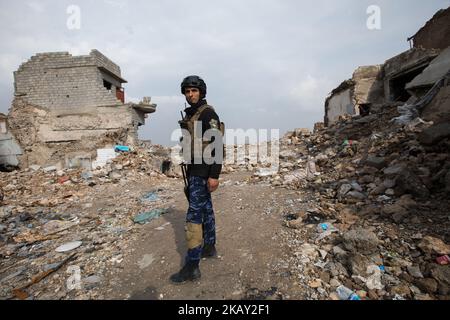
x=203, y=178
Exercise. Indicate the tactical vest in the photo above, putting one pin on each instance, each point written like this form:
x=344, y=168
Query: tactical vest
x=189, y=125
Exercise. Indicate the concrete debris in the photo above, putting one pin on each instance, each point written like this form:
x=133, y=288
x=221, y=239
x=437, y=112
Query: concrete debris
x=385, y=186
x=90, y=214
x=432, y=245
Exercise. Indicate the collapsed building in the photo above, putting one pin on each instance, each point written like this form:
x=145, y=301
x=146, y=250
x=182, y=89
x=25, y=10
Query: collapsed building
x=354, y=96
x=402, y=79
x=66, y=107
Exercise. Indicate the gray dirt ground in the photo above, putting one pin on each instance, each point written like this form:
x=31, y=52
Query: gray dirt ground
x=249, y=230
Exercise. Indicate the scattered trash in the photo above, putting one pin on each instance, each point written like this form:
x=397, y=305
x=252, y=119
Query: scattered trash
x=347, y=142
x=103, y=156
x=374, y=280
x=34, y=167
x=376, y=136
x=45, y=211
x=63, y=179
x=56, y=226
x=22, y=294
x=122, y=149
x=50, y=169
x=382, y=268
x=345, y=293
x=13, y=275
x=266, y=172
x=146, y=217
x=324, y=227
x=69, y=246
x=325, y=230
x=163, y=226
x=290, y=217
x=151, y=196
x=87, y=175
x=418, y=125
x=314, y=218
x=407, y=114
x=444, y=260
x=45, y=232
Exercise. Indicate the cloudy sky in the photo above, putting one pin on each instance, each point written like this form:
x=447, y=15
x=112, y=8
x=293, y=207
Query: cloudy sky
x=268, y=64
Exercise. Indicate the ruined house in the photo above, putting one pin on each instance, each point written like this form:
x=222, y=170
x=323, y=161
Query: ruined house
x=66, y=107
x=404, y=78
x=356, y=95
x=402, y=69
x=436, y=32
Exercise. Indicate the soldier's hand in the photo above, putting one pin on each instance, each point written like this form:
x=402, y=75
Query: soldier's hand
x=213, y=184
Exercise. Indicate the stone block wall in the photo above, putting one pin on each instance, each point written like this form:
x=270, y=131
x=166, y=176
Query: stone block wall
x=59, y=80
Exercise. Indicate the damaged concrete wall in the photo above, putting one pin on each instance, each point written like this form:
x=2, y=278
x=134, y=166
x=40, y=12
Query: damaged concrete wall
x=59, y=80
x=437, y=69
x=436, y=32
x=352, y=96
x=65, y=104
x=438, y=110
x=339, y=104
x=9, y=148
x=402, y=69
x=43, y=133
x=368, y=85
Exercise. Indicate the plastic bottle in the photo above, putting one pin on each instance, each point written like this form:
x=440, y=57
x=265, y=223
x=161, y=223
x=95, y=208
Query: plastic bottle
x=345, y=293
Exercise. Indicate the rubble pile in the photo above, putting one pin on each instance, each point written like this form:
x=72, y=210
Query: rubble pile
x=53, y=218
x=377, y=207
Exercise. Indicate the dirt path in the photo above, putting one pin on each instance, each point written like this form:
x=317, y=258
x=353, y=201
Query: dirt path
x=249, y=241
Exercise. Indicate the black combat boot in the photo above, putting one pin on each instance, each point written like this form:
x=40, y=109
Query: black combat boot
x=190, y=272
x=209, y=251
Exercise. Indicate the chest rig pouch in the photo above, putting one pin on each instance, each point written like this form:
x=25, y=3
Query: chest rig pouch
x=193, y=136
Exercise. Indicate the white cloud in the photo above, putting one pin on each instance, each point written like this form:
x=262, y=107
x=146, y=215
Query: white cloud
x=116, y=3
x=310, y=92
x=38, y=7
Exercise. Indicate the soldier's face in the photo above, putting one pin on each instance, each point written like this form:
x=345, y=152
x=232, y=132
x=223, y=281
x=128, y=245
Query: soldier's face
x=192, y=95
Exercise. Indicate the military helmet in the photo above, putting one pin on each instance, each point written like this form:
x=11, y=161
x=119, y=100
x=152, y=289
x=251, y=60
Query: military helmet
x=194, y=82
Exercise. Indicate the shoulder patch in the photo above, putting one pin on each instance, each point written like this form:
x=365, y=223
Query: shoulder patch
x=214, y=124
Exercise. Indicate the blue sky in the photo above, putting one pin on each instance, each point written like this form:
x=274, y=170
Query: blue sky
x=268, y=64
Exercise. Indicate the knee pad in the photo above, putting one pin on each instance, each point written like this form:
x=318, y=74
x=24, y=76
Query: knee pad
x=194, y=235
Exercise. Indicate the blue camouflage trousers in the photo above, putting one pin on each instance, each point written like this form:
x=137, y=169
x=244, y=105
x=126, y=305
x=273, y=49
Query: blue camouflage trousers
x=200, y=221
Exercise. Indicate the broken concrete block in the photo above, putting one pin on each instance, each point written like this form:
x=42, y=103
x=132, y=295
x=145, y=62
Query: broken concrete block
x=50, y=169
x=435, y=134
x=408, y=182
x=376, y=162
x=433, y=245
x=393, y=170
x=34, y=167
x=356, y=195
x=361, y=240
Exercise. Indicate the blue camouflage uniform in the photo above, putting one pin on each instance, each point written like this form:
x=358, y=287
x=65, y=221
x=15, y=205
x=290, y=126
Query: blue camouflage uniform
x=200, y=215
